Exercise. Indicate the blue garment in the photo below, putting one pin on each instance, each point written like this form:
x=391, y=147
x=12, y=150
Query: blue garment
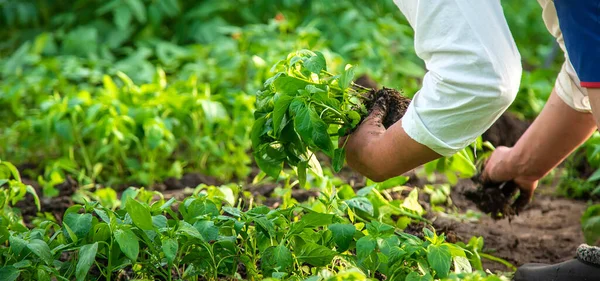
x=579, y=22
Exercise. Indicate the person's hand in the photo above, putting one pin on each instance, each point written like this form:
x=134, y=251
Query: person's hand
x=359, y=144
x=500, y=168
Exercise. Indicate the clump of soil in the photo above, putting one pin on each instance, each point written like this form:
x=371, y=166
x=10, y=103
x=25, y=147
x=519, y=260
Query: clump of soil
x=548, y=230
x=494, y=198
x=391, y=101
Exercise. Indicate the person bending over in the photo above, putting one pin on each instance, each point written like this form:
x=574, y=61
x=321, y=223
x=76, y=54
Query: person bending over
x=473, y=75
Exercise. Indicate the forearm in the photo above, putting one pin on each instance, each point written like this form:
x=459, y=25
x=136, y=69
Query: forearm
x=554, y=134
x=594, y=96
x=389, y=153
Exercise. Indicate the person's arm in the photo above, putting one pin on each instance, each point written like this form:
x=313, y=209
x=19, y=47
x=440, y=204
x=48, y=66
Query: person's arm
x=594, y=96
x=473, y=75
x=380, y=154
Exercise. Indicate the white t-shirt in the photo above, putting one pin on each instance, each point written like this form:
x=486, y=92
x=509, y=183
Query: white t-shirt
x=474, y=71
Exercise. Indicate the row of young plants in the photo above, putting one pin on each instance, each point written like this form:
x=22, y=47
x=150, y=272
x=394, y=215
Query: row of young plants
x=212, y=235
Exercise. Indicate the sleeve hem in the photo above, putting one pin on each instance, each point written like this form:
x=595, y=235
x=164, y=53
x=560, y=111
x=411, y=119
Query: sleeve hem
x=590, y=84
x=415, y=129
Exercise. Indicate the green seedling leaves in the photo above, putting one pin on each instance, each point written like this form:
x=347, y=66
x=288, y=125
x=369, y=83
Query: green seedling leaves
x=87, y=255
x=78, y=224
x=140, y=214
x=282, y=103
x=315, y=254
x=278, y=258
x=9, y=273
x=207, y=230
x=316, y=64
x=365, y=247
x=128, y=242
x=342, y=235
x=439, y=259
x=317, y=103
x=41, y=249
x=339, y=155
x=170, y=248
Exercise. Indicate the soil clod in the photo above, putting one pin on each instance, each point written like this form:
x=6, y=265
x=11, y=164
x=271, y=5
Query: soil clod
x=494, y=198
x=392, y=101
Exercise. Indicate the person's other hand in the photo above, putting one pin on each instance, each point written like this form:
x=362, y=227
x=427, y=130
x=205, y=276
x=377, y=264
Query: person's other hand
x=500, y=168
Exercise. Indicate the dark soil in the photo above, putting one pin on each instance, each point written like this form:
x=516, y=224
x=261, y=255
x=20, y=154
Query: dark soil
x=506, y=131
x=495, y=199
x=547, y=231
x=394, y=103
x=56, y=205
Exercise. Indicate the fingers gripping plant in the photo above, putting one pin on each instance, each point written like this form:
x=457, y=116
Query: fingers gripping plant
x=302, y=107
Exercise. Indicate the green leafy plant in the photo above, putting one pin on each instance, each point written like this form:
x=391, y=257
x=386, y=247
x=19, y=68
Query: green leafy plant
x=12, y=190
x=590, y=223
x=296, y=112
x=206, y=236
x=304, y=108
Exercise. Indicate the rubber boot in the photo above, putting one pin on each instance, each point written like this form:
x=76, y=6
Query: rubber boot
x=585, y=267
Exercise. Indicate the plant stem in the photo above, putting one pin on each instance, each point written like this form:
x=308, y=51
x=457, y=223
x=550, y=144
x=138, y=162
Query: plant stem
x=498, y=260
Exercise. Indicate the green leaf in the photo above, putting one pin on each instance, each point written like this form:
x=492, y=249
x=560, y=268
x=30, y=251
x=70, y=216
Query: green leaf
x=9, y=273
x=376, y=228
x=316, y=63
x=289, y=85
x=41, y=249
x=439, y=259
x=87, y=256
x=315, y=254
x=170, y=248
x=140, y=215
x=590, y=223
x=128, y=243
x=342, y=235
x=462, y=264
x=301, y=168
x=42, y=274
x=302, y=122
x=346, y=78
x=365, y=247
x=282, y=103
x=266, y=226
x=138, y=9
x=361, y=204
x=270, y=166
x=320, y=134
x=277, y=259
x=36, y=199
x=80, y=224
x=257, y=132
x=17, y=244
x=122, y=17
x=412, y=202
x=208, y=230
x=595, y=176
x=314, y=219
x=339, y=155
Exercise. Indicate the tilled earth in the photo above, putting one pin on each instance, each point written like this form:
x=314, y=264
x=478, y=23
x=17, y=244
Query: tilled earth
x=547, y=231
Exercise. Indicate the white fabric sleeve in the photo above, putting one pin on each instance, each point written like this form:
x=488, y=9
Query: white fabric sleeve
x=474, y=71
